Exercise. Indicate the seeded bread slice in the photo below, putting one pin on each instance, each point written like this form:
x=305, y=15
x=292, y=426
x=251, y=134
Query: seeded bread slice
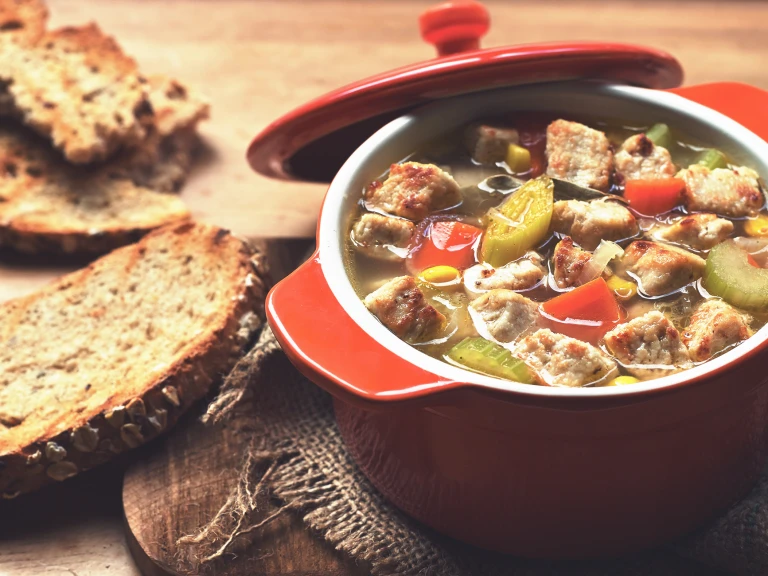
x=47, y=205
x=108, y=357
x=76, y=87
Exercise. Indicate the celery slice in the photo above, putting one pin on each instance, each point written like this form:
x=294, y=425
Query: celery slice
x=520, y=223
x=661, y=135
x=730, y=276
x=486, y=357
x=712, y=159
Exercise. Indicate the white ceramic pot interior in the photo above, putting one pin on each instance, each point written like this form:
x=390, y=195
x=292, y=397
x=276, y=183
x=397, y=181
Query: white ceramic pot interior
x=400, y=138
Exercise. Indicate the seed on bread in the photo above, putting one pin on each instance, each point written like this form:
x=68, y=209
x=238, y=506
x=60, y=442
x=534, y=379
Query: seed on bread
x=131, y=435
x=34, y=458
x=115, y=416
x=136, y=410
x=54, y=452
x=85, y=438
x=192, y=276
x=172, y=395
x=61, y=471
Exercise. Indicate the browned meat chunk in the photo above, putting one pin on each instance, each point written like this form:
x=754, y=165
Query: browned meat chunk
x=648, y=346
x=725, y=191
x=380, y=236
x=568, y=262
x=579, y=154
x=413, y=190
x=661, y=269
x=589, y=222
x=563, y=361
x=488, y=145
x=639, y=158
x=519, y=275
x=503, y=314
x=715, y=326
x=401, y=306
x=698, y=231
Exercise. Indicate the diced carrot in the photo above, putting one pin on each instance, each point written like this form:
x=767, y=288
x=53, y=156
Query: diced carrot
x=651, y=197
x=444, y=243
x=752, y=261
x=586, y=312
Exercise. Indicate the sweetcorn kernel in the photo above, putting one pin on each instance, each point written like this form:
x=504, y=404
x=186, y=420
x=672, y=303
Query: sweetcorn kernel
x=440, y=275
x=623, y=289
x=518, y=159
x=757, y=226
x=623, y=381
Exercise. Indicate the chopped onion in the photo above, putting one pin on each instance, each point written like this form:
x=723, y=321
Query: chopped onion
x=755, y=247
x=604, y=253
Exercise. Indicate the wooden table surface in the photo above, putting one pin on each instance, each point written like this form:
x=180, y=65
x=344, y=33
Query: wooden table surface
x=259, y=59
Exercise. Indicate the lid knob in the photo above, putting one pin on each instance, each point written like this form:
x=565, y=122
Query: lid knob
x=455, y=26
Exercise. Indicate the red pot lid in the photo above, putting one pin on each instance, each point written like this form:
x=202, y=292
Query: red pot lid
x=313, y=141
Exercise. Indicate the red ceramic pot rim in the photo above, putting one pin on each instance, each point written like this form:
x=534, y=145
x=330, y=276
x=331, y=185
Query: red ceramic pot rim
x=313, y=141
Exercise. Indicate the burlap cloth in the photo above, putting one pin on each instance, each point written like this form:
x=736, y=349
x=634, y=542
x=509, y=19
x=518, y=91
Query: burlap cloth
x=298, y=458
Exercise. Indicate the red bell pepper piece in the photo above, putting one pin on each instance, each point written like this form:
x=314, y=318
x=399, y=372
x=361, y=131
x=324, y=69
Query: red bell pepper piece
x=444, y=243
x=585, y=313
x=651, y=197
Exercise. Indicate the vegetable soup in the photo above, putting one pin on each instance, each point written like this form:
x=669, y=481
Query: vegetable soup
x=565, y=253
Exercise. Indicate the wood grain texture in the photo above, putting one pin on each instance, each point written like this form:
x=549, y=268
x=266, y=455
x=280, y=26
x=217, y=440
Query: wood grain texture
x=257, y=59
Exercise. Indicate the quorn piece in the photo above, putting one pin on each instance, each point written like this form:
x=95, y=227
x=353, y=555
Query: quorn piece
x=697, y=231
x=660, y=268
x=413, y=190
x=518, y=275
x=563, y=361
x=714, y=327
x=590, y=222
x=503, y=314
x=402, y=307
x=579, y=154
x=731, y=192
x=639, y=158
x=376, y=235
x=648, y=346
x=568, y=262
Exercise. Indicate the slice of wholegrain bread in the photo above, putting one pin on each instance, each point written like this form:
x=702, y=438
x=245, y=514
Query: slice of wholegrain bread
x=108, y=357
x=47, y=205
x=76, y=87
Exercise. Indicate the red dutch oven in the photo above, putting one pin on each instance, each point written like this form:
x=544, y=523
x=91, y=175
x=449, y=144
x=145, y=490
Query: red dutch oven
x=529, y=470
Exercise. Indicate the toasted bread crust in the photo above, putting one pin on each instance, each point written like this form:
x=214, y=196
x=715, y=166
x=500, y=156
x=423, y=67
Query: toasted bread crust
x=22, y=20
x=83, y=436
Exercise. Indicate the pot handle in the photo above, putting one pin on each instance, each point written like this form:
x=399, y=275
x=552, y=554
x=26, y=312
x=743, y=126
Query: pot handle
x=743, y=103
x=329, y=348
